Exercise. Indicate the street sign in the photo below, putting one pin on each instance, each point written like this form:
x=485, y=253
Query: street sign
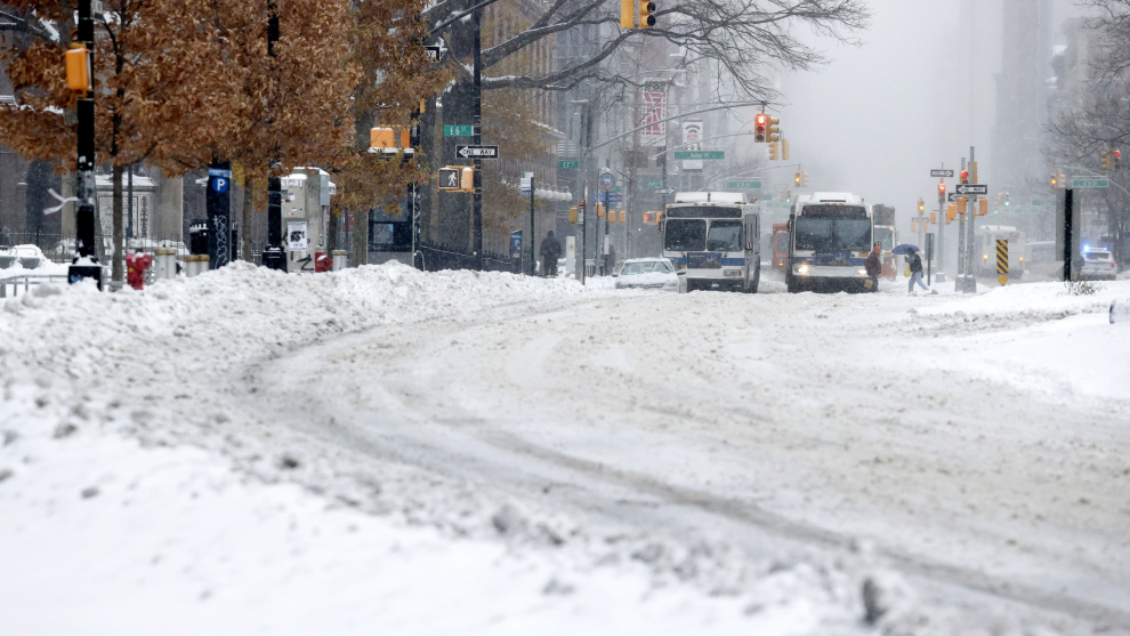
x=665, y=190
x=972, y=189
x=1044, y=203
x=566, y=164
x=700, y=155
x=433, y=52
x=951, y=197
x=743, y=185
x=477, y=152
x=1093, y=182
x=458, y=131
x=941, y=173
x=607, y=180
x=653, y=183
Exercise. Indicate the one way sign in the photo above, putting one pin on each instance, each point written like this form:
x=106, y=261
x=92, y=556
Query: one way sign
x=477, y=152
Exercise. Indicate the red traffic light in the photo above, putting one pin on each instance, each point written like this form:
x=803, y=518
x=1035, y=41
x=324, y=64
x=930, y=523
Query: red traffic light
x=760, y=124
x=1117, y=154
x=965, y=176
x=941, y=188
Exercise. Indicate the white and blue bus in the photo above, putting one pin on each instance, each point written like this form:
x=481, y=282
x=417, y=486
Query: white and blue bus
x=830, y=235
x=713, y=238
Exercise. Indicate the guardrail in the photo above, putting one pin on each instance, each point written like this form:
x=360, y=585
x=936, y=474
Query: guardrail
x=26, y=282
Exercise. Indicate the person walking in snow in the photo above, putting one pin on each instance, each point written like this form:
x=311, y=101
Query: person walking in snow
x=874, y=266
x=550, y=252
x=914, y=262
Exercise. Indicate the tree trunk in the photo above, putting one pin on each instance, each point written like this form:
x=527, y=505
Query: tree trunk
x=245, y=224
x=117, y=272
x=359, y=246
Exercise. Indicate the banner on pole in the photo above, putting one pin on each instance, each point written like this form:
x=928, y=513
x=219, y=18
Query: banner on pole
x=654, y=112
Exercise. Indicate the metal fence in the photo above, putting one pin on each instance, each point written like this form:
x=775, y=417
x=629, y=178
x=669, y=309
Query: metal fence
x=14, y=286
x=440, y=256
x=60, y=248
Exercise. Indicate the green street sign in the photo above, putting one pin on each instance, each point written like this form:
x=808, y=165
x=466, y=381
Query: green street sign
x=743, y=185
x=458, y=131
x=1090, y=183
x=568, y=165
x=700, y=155
x=653, y=183
x=1043, y=203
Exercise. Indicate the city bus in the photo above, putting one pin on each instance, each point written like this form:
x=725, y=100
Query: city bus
x=829, y=239
x=714, y=240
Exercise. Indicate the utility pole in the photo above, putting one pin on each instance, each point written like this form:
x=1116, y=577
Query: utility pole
x=533, y=254
x=273, y=255
x=477, y=105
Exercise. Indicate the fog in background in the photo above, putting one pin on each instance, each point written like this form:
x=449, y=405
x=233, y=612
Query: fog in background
x=881, y=115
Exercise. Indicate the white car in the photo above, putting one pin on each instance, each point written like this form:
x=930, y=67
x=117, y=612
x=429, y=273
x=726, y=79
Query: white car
x=1098, y=264
x=647, y=273
x=25, y=256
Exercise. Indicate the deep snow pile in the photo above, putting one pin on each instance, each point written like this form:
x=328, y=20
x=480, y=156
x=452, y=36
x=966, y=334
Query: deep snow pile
x=131, y=495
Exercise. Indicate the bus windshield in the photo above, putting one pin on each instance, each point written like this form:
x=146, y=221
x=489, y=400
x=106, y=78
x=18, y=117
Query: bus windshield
x=886, y=236
x=684, y=235
x=724, y=236
x=833, y=235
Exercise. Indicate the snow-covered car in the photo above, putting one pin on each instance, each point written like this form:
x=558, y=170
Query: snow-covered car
x=648, y=273
x=1098, y=264
x=25, y=256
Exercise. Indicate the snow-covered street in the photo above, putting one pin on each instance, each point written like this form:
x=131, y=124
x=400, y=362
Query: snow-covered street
x=386, y=451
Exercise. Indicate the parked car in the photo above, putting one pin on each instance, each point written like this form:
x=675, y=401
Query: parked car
x=647, y=273
x=25, y=256
x=1098, y=264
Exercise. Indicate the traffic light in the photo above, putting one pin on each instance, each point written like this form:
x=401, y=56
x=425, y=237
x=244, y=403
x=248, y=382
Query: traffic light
x=1059, y=181
x=772, y=151
x=627, y=14
x=1117, y=158
x=797, y=178
x=785, y=149
x=942, y=191
x=951, y=213
x=623, y=216
x=599, y=210
x=1106, y=159
x=804, y=179
x=1007, y=203
x=774, y=132
x=573, y=215
x=962, y=205
x=647, y=7
x=933, y=217
x=760, y=125
x=982, y=206
x=921, y=207
x=786, y=196
x=964, y=177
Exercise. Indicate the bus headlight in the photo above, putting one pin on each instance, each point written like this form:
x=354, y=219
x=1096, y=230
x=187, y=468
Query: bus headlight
x=802, y=269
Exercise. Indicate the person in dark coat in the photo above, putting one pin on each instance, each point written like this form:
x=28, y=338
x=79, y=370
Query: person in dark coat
x=915, y=263
x=610, y=261
x=874, y=266
x=550, y=252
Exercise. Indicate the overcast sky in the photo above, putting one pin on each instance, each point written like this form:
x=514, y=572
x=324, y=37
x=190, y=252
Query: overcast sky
x=880, y=116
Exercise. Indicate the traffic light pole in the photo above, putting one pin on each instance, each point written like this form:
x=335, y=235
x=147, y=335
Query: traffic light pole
x=970, y=283
x=86, y=261
x=477, y=112
x=273, y=255
x=941, y=277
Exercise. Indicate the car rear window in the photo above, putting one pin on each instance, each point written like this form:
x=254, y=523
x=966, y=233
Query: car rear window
x=1098, y=256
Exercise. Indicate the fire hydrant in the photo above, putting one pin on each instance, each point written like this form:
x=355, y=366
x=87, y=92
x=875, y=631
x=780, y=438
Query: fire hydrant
x=136, y=264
